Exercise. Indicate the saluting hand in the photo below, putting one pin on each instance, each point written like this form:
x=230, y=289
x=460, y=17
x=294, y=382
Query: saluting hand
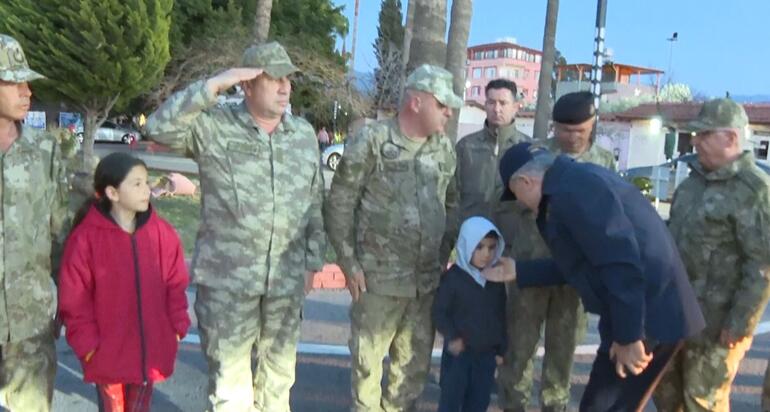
x=356, y=285
x=230, y=78
x=632, y=357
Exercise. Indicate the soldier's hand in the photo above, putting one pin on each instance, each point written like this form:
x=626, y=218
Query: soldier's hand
x=309, y=277
x=632, y=357
x=499, y=360
x=230, y=78
x=729, y=340
x=503, y=271
x=89, y=355
x=356, y=285
x=456, y=346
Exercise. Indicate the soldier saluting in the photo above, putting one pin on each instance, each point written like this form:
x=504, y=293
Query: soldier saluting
x=261, y=236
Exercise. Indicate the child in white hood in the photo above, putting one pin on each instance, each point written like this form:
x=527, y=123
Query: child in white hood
x=470, y=313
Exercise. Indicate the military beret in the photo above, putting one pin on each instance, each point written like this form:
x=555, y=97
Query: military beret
x=574, y=108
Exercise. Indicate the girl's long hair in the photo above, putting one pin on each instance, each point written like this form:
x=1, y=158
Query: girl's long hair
x=111, y=171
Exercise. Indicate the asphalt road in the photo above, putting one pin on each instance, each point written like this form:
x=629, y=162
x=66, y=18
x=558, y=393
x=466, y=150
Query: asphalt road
x=323, y=368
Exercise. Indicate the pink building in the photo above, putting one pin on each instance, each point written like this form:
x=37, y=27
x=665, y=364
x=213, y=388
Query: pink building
x=505, y=60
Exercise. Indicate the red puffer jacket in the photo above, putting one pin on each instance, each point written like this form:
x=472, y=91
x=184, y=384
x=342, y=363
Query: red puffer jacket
x=124, y=296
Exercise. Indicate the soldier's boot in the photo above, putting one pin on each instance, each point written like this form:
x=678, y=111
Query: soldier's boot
x=517, y=409
x=555, y=408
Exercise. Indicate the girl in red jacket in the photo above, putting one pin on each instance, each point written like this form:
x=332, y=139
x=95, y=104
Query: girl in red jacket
x=122, y=288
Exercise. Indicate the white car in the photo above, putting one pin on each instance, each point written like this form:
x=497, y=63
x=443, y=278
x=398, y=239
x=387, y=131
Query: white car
x=112, y=132
x=332, y=155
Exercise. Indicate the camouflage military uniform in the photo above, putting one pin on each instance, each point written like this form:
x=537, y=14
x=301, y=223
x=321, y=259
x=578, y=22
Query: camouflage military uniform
x=386, y=216
x=261, y=229
x=558, y=307
x=721, y=223
x=33, y=216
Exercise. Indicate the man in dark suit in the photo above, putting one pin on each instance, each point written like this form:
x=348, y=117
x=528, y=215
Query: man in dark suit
x=609, y=243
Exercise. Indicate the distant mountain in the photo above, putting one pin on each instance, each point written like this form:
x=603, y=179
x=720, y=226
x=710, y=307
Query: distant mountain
x=364, y=83
x=754, y=98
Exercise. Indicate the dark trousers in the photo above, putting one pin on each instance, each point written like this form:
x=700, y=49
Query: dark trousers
x=606, y=391
x=119, y=397
x=466, y=381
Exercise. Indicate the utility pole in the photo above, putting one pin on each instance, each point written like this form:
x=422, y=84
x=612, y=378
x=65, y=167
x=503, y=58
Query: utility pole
x=674, y=37
x=355, y=37
x=596, y=72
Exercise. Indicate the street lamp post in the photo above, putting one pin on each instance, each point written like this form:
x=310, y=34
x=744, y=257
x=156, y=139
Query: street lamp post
x=596, y=72
x=674, y=37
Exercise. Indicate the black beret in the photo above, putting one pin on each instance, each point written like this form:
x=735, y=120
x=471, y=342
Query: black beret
x=574, y=108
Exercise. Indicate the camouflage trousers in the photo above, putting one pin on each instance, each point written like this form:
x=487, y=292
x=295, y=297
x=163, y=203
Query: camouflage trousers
x=27, y=372
x=250, y=344
x=700, y=376
x=395, y=326
x=559, y=308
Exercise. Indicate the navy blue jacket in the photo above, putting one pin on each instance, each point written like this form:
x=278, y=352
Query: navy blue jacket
x=464, y=309
x=608, y=242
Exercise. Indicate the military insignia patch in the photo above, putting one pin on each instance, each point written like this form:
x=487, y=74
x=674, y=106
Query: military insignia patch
x=390, y=151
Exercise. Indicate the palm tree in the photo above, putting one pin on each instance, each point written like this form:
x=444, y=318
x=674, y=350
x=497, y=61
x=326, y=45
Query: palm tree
x=457, y=53
x=543, y=110
x=408, y=31
x=428, y=45
x=262, y=20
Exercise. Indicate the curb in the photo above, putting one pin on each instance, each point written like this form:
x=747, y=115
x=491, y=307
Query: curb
x=330, y=277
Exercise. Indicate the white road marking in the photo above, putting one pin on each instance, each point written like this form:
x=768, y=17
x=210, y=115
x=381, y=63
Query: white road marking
x=342, y=350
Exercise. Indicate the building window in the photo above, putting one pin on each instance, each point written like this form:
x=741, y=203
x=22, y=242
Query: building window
x=475, y=91
x=537, y=75
x=478, y=55
x=526, y=74
x=524, y=92
x=762, y=149
x=477, y=73
x=491, y=72
x=538, y=58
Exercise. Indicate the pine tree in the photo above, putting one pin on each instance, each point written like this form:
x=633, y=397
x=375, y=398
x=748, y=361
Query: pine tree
x=96, y=54
x=387, y=48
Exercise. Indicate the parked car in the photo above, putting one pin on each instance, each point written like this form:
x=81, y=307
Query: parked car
x=114, y=133
x=332, y=155
x=642, y=176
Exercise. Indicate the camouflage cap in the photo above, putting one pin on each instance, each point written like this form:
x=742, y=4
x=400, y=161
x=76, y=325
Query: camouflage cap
x=271, y=57
x=436, y=81
x=13, y=63
x=720, y=114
